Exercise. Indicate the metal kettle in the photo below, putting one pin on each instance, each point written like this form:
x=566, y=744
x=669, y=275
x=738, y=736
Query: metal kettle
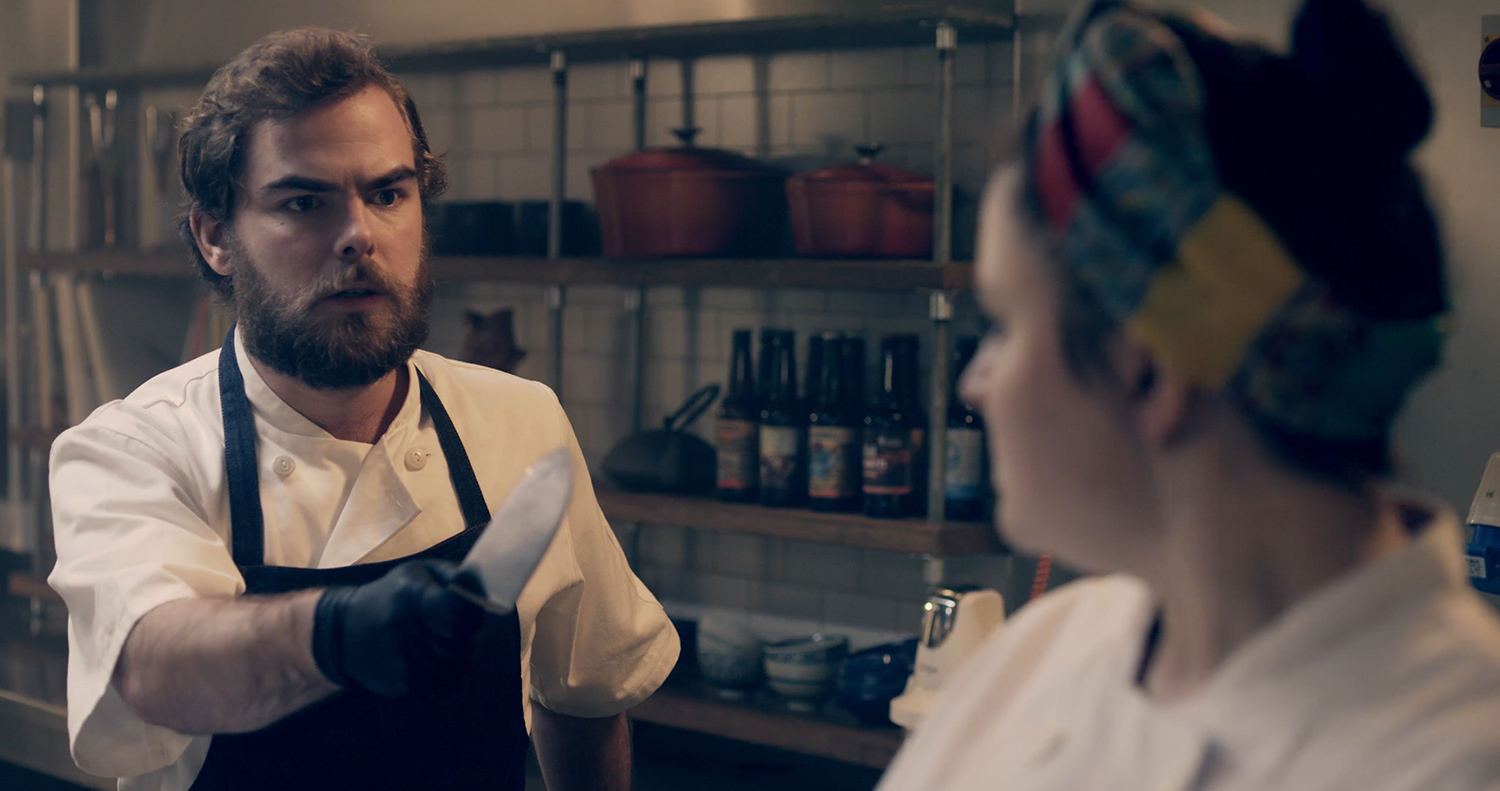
x=955, y=622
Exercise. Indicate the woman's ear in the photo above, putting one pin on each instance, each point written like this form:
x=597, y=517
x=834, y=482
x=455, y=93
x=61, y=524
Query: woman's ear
x=209, y=234
x=1160, y=398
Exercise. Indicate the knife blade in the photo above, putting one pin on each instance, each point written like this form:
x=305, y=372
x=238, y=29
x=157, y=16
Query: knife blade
x=518, y=535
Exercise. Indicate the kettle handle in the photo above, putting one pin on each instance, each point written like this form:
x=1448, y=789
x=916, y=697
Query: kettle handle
x=689, y=412
x=868, y=152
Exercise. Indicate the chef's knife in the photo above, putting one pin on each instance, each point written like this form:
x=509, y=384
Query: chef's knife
x=519, y=533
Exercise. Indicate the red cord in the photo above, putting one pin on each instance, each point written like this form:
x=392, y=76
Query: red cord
x=1043, y=573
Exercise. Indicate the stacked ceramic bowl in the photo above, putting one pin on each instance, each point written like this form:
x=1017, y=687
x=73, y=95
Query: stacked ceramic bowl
x=802, y=668
x=729, y=655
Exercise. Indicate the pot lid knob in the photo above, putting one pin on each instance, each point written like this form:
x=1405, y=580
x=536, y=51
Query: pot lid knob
x=868, y=152
x=686, y=135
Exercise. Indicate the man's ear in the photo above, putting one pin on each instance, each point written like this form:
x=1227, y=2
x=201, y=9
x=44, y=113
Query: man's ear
x=209, y=234
x=1161, y=398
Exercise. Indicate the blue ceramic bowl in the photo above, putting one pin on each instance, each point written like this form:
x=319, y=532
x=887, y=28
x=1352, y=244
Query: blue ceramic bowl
x=868, y=680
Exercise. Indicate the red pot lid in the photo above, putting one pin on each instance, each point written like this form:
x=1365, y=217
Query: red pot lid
x=685, y=157
x=867, y=170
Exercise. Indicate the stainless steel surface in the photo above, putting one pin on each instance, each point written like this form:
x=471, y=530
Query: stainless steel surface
x=937, y=616
x=638, y=102
x=942, y=242
x=559, y=154
x=635, y=300
x=941, y=313
x=38, y=206
x=942, y=253
x=556, y=295
x=508, y=552
x=480, y=33
x=10, y=203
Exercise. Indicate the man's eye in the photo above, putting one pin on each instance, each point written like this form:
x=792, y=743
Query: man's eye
x=389, y=197
x=302, y=203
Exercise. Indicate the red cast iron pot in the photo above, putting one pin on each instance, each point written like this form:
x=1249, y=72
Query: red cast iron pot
x=688, y=201
x=863, y=210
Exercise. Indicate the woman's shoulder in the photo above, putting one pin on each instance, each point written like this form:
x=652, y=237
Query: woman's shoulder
x=1087, y=623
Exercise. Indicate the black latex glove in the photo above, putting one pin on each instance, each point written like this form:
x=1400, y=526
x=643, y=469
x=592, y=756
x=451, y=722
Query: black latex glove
x=403, y=633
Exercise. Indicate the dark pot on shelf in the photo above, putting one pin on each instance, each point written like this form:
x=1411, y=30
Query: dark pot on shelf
x=580, y=228
x=688, y=201
x=862, y=210
x=474, y=228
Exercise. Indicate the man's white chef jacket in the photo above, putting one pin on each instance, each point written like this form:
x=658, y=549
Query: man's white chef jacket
x=141, y=514
x=1387, y=679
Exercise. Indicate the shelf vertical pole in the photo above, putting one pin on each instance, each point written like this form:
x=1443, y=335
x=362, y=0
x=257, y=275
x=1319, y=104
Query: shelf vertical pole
x=38, y=207
x=636, y=300
x=14, y=455
x=942, y=301
x=557, y=295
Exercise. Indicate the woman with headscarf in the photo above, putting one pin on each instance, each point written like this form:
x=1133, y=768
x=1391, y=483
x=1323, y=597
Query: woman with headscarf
x=1214, y=278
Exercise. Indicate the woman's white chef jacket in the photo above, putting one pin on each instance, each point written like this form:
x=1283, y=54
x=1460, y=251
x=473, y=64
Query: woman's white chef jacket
x=1387, y=679
x=141, y=514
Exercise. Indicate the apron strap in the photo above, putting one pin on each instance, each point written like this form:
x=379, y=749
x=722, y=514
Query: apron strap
x=246, y=521
x=460, y=471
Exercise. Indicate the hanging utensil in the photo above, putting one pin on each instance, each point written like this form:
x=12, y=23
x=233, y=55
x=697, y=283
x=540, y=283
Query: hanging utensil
x=102, y=141
x=161, y=135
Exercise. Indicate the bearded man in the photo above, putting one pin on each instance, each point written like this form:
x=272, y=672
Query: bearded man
x=257, y=548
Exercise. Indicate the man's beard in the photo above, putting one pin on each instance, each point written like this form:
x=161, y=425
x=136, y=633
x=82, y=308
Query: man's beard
x=330, y=350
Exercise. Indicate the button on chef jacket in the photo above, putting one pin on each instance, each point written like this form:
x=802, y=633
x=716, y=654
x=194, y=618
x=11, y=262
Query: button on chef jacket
x=1387, y=679
x=141, y=516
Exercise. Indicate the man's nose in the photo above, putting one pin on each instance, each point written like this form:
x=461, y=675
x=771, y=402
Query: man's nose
x=355, y=239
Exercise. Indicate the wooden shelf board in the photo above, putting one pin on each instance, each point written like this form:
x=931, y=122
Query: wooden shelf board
x=730, y=273
x=723, y=272
x=682, y=708
x=36, y=737
x=149, y=263
x=35, y=436
x=28, y=586
x=910, y=25
x=909, y=536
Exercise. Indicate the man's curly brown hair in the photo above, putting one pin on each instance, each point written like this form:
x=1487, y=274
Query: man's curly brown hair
x=280, y=76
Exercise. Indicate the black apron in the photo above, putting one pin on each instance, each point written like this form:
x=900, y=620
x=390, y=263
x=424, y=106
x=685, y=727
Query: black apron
x=475, y=738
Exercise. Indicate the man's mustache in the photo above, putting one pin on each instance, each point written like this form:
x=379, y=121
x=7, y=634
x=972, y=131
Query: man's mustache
x=343, y=279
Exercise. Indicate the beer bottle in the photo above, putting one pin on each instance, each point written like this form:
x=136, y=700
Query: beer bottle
x=814, y=377
x=833, y=446
x=763, y=371
x=964, y=474
x=888, y=462
x=783, y=430
x=737, y=429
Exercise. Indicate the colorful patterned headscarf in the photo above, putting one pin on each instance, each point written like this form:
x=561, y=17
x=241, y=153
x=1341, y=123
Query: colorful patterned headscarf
x=1120, y=164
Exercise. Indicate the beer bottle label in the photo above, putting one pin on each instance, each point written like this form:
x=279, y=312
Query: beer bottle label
x=888, y=462
x=963, y=475
x=778, y=456
x=739, y=454
x=831, y=471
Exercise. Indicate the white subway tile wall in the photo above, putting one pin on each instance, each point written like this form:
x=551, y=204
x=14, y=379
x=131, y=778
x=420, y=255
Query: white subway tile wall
x=803, y=110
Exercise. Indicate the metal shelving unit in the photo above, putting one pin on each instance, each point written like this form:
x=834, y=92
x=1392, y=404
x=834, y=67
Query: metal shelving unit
x=760, y=273
x=896, y=26
x=907, y=536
